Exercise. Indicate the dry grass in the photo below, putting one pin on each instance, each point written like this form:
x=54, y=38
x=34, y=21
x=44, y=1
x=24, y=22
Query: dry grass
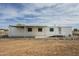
x=39, y=47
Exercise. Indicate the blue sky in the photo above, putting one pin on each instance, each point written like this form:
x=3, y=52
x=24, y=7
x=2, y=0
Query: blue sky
x=46, y=13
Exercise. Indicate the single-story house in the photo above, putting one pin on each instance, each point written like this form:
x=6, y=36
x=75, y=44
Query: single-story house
x=38, y=31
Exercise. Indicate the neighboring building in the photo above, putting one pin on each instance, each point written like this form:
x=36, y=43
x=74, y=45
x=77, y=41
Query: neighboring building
x=3, y=32
x=75, y=32
x=38, y=31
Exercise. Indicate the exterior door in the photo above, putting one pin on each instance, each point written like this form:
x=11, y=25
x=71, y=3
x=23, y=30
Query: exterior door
x=59, y=30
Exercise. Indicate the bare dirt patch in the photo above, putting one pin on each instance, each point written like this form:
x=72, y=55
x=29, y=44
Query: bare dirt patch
x=34, y=47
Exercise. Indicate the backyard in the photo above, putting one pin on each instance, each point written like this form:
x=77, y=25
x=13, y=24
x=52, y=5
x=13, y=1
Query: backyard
x=38, y=47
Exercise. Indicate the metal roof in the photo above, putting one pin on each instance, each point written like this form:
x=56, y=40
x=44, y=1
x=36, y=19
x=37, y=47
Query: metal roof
x=37, y=26
x=27, y=25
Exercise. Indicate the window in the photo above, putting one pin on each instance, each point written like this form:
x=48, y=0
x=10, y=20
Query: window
x=29, y=29
x=39, y=29
x=51, y=29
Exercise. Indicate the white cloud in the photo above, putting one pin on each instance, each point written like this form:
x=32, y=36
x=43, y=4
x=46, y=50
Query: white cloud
x=8, y=13
x=63, y=14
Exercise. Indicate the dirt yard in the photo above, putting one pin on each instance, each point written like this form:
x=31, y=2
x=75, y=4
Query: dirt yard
x=38, y=47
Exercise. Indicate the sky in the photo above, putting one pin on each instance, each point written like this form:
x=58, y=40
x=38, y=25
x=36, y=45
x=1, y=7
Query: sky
x=59, y=14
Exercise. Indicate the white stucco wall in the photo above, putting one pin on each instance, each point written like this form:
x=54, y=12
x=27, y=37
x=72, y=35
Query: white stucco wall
x=66, y=31
x=13, y=31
